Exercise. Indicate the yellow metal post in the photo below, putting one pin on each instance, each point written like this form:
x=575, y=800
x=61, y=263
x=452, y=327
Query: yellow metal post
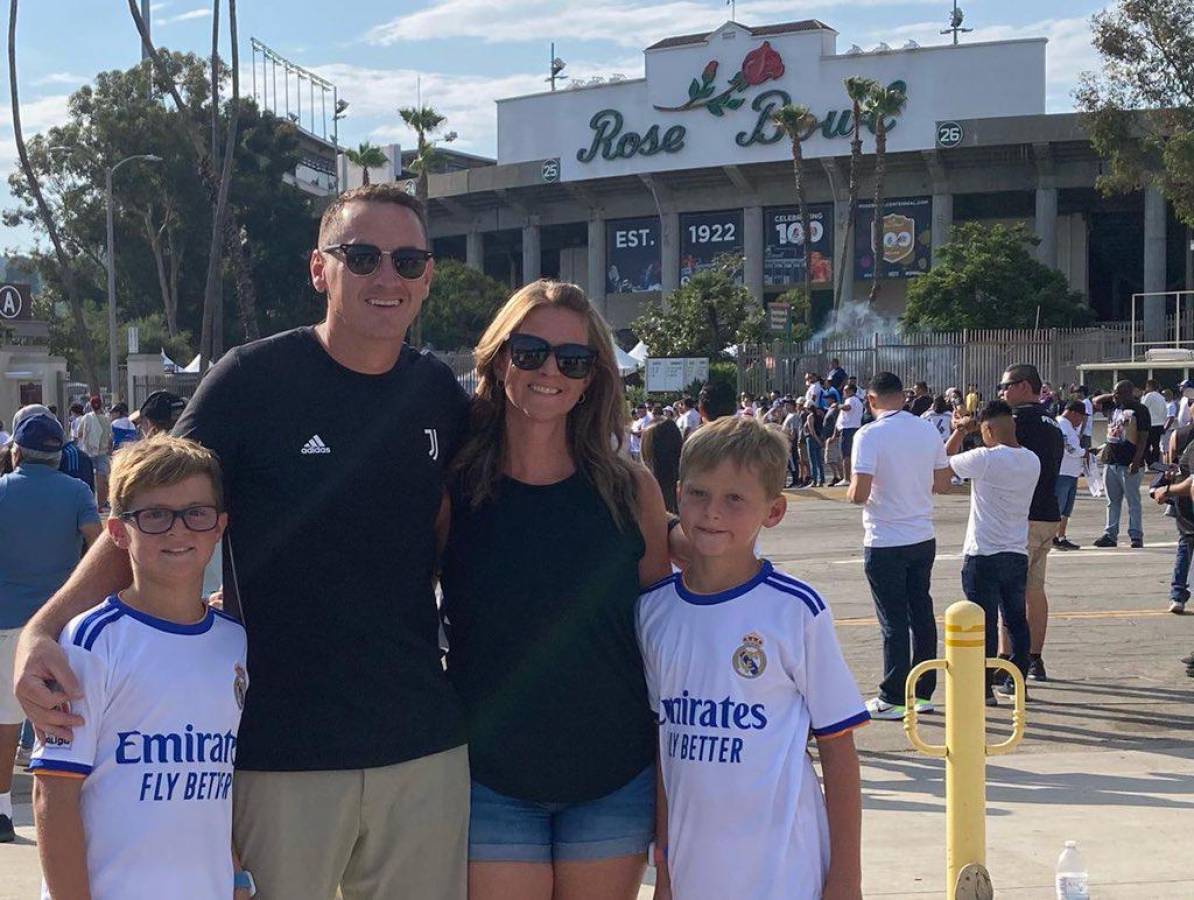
x=965, y=749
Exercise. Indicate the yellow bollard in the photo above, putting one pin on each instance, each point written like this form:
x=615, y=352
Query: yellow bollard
x=965, y=750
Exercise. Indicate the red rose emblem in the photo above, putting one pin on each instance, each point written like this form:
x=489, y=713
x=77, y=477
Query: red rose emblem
x=710, y=71
x=762, y=64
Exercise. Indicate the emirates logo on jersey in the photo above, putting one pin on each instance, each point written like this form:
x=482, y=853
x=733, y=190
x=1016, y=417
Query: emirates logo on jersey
x=749, y=660
x=240, y=685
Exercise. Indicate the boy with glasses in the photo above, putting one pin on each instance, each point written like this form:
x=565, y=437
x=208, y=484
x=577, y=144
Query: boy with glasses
x=163, y=683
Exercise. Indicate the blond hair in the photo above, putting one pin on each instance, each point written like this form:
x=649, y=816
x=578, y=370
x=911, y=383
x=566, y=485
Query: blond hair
x=160, y=461
x=596, y=426
x=744, y=442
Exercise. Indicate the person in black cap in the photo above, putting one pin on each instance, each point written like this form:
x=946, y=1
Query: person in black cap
x=158, y=413
x=45, y=519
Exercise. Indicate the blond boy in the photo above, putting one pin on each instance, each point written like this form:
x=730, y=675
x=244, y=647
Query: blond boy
x=742, y=664
x=138, y=803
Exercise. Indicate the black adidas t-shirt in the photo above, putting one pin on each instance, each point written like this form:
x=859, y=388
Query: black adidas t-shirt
x=333, y=481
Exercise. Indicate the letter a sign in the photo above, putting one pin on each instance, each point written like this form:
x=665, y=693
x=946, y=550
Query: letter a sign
x=14, y=302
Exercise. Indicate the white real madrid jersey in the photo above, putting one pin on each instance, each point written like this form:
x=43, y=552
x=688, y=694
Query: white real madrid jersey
x=738, y=680
x=161, y=708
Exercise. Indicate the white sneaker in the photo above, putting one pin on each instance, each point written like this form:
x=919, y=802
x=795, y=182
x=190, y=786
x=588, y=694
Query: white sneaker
x=925, y=706
x=881, y=709
x=1178, y=607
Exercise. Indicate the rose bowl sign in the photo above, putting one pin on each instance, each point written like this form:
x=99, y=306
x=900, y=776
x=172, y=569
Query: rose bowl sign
x=707, y=101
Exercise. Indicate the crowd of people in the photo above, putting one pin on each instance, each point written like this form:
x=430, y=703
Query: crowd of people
x=607, y=657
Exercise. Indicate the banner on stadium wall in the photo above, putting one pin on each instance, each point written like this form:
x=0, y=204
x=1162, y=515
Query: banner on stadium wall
x=632, y=248
x=907, y=240
x=783, y=246
x=706, y=235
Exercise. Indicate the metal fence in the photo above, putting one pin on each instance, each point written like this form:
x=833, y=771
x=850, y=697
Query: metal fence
x=942, y=359
x=182, y=383
x=462, y=367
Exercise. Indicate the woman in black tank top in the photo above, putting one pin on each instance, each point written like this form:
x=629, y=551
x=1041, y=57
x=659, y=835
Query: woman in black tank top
x=553, y=532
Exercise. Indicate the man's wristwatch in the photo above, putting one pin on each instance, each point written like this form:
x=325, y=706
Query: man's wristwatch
x=243, y=881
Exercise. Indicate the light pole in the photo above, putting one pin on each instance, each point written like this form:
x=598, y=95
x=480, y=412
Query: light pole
x=112, y=367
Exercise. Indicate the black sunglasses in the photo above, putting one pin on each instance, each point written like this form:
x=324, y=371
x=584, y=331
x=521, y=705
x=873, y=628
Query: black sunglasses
x=363, y=259
x=159, y=520
x=1004, y=385
x=529, y=352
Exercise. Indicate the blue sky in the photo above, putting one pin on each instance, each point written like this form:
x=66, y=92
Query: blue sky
x=466, y=53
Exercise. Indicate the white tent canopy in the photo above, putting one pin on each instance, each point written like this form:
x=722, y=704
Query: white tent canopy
x=640, y=352
x=627, y=363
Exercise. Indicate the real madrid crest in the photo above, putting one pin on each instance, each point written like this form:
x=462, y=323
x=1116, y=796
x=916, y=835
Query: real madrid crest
x=240, y=684
x=749, y=659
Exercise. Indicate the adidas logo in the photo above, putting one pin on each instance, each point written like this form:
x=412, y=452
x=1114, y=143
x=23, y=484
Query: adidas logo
x=316, y=445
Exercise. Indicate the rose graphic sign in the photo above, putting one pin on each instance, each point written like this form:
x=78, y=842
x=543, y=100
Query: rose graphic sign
x=760, y=65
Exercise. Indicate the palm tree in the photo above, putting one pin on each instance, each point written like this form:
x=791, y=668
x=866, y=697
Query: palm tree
x=882, y=103
x=857, y=88
x=424, y=121
x=797, y=122
x=367, y=157
x=69, y=284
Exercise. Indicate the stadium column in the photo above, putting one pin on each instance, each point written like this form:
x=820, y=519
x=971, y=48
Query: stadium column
x=1046, y=204
x=943, y=219
x=752, y=249
x=670, y=254
x=474, y=251
x=597, y=263
x=532, y=261
x=1154, y=263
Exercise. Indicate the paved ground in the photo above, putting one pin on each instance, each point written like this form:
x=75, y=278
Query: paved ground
x=1108, y=759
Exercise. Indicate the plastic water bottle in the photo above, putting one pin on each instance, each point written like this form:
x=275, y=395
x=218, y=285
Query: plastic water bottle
x=1071, y=874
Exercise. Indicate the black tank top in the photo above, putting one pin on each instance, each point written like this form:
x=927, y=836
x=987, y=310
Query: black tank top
x=540, y=589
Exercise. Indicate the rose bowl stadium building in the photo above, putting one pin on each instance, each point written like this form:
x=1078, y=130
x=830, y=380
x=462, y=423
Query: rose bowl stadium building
x=629, y=187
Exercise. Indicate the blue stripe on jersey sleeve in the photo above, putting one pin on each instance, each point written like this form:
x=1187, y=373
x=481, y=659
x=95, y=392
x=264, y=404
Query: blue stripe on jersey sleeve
x=844, y=725
x=59, y=765
x=810, y=599
x=100, y=626
x=797, y=583
x=661, y=583
x=80, y=635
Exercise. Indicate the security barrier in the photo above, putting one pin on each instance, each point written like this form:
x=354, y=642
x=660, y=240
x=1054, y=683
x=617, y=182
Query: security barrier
x=965, y=750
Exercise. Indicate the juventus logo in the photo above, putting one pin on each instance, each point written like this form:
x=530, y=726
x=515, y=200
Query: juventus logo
x=432, y=443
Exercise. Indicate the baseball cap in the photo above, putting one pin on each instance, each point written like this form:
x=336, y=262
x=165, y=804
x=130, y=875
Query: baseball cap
x=162, y=407
x=31, y=409
x=41, y=433
x=1186, y=385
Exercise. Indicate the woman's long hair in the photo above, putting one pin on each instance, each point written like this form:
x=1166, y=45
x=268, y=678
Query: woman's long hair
x=596, y=426
x=661, y=446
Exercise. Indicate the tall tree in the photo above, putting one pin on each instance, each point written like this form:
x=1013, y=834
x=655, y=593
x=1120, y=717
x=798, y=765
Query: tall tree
x=1140, y=107
x=368, y=157
x=66, y=272
x=797, y=122
x=857, y=89
x=882, y=103
x=424, y=122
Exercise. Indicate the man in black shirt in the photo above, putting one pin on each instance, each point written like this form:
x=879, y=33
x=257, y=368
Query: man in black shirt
x=1039, y=432
x=352, y=772
x=1128, y=424
x=922, y=400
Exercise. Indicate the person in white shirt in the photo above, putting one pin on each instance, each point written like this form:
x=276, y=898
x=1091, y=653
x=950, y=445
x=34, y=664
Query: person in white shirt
x=940, y=416
x=814, y=394
x=138, y=801
x=1083, y=394
x=690, y=419
x=898, y=464
x=639, y=419
x=849, y=420
x=1170, y=423
x=1158, y=412
x=1071, y=422
x=1003, y=477
x=95, y=439
x=742, y=665
x=1184, y=414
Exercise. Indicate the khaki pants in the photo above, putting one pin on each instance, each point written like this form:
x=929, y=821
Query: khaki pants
x=391, y=833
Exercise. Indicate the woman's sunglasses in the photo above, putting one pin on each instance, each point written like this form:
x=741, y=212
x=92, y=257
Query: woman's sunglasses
x=529, y=352
x=363, y=259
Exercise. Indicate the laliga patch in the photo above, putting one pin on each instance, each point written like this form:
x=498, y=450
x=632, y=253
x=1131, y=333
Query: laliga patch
x=49, y=741
x=749, y=660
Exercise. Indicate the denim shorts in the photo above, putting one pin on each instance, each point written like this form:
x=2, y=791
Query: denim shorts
x=1067, y=491
x=505, y=829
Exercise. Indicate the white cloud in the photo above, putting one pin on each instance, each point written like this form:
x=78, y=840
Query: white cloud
x=60, y=78
x=184, y=17
x=36, y=115
x=1069, y=54
x=158, y=7
x=624, y=22
x=467, y=100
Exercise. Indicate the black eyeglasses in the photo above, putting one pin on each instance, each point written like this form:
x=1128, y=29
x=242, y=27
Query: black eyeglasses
x=159, y=520
x=1004, y=385
x=529, y=352
x=363, y=259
